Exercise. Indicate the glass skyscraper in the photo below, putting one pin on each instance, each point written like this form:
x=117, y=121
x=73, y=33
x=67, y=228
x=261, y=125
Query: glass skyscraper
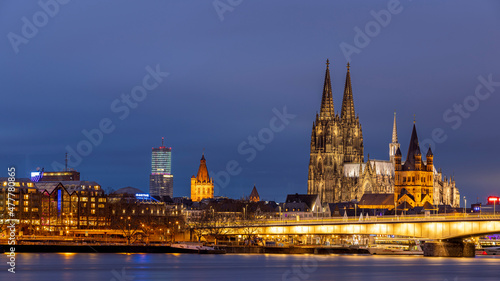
x=161, y=180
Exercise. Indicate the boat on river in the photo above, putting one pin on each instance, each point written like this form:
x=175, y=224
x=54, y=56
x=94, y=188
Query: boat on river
x=395, y=250
x=490, y=251
x=198, y=248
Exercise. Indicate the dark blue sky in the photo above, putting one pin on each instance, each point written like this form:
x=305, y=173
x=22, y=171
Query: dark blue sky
x=225, y=78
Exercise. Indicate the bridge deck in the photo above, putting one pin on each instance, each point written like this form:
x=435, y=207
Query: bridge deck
x=430, y=227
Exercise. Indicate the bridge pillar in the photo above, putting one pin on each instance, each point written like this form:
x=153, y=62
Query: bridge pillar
x=449, y=249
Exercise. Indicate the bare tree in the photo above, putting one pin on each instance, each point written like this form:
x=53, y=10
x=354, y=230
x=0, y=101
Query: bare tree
x=250, y=229
x=174, y=225
x=211, y=224
x=130, y=227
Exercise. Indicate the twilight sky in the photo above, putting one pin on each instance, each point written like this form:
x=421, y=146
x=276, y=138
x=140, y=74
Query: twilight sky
x=232, y=64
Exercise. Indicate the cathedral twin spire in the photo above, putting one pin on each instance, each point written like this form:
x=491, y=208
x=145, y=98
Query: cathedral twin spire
x=327, y=110
x=347, y=113
x=336, y=139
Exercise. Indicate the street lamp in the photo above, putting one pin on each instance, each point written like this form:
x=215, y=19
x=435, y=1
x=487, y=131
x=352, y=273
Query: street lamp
x=465, y=206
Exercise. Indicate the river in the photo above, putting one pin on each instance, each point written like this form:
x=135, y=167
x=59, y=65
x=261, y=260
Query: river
x=239, y=267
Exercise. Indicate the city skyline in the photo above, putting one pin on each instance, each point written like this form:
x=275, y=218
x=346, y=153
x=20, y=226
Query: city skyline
x=227, y=80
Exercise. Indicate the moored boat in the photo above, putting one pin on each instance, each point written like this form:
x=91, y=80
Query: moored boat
x=494, y=251
x=211, y=250
x=198, y=248
x=395, y=250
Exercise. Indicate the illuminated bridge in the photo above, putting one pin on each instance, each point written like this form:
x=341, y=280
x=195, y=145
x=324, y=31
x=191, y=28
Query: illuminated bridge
x=432, y=227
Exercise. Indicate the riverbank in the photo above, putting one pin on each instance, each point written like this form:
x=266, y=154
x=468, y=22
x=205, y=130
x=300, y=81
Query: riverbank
x=48, y=248
x=295, y=250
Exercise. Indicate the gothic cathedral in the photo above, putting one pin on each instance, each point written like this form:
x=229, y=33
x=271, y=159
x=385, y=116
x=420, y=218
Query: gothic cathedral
x=338, y=172
x=335, y=141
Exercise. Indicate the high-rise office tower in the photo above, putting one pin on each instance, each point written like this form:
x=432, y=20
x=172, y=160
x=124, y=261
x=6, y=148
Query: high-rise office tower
x=161, y=180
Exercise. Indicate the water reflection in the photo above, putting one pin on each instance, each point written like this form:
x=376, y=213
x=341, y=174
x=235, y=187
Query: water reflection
x=240, y=267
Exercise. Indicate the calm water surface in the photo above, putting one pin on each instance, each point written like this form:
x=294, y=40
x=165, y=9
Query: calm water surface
x=185, y=267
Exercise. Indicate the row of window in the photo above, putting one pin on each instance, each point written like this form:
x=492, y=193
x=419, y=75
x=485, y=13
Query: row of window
x=412, y=178
x=205, y=190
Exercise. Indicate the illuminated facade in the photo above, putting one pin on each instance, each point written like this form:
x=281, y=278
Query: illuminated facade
x=161, y=180
x=67, y=175
x=56, y=206
x=202, y=186
x=131, y=202
x=337, y=171
x=414, y=180
x=26, y=203
x=254, y=195
x=335, y=141
x=72, y=204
